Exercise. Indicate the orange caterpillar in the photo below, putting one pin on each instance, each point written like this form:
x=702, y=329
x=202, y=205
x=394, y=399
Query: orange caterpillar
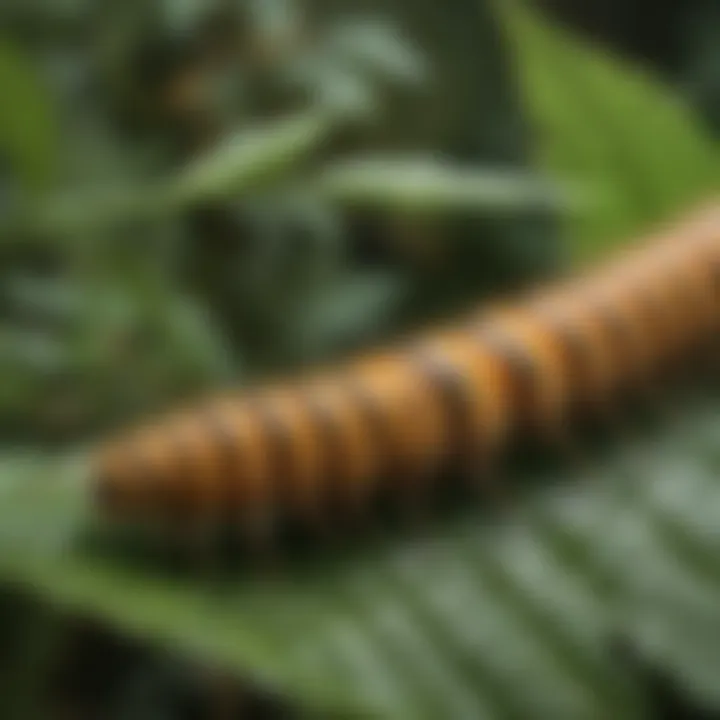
x=332, y=443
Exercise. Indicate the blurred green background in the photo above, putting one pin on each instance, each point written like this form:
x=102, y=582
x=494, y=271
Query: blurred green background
x=197, y=195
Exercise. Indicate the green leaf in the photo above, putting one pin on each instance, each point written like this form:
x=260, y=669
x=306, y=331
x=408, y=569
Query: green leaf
x=422, y=185
x=345, y=313
x=28, y=128
x=255, y=155
x=601, y=120
x=442, y=623
x=377, y=47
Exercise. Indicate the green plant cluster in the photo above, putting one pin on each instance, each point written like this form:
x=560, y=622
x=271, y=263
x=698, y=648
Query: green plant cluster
x=198, y=195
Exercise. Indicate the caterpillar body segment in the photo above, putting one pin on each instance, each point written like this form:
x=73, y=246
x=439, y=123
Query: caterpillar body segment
x=632, y=316
x=134, y=472
x=385, y=425
x=594, y=372
x=351, y=453
x=536, y=372
x=474, y=389
x=294, y=450
x=245, y=466
x=182, y=451
x=673, y=286
x=405, y=407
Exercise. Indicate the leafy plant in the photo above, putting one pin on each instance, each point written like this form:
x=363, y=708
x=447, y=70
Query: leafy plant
x=252, y=227
x=491, y=612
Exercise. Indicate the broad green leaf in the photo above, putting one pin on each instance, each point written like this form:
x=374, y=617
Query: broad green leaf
x=28, y=130
x=604, y=121
x=450, y=622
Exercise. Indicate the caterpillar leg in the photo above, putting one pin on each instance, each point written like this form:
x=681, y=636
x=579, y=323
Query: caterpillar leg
x=713, y=361
x=358, y=518
x=709, y=358
x=652, y=394
x=415, y=499
x=481, y=476
x=568, y=445
x=256, y=535
x=605, y=418
x=321, y=528
x=201, y=549
x=703, y=360
x=191, y=541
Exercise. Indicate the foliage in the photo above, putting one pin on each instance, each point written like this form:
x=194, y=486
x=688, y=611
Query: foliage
x=202, y=217
x=188, y=234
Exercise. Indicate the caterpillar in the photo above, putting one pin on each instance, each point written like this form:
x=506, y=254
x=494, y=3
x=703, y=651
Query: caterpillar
x=328, y=444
